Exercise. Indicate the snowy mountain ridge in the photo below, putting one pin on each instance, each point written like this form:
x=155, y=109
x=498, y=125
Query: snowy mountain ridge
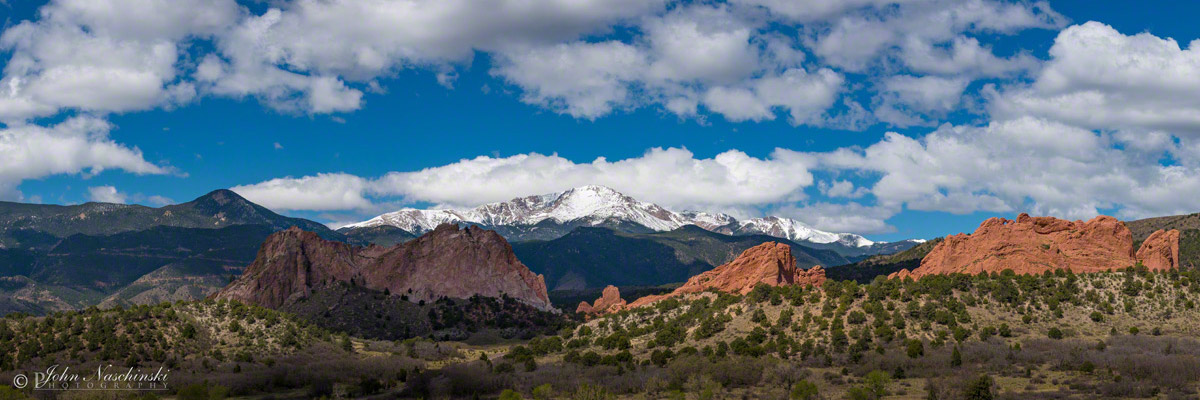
x=597, y=205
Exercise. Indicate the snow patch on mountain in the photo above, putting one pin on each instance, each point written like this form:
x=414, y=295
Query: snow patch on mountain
x=595, y=205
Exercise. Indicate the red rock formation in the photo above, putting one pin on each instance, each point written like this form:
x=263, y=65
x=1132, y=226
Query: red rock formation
x=901, y=274
x=610, y=301
x=1031, y=245
x=289, y=265
x=814, y=276
x=770, y=263
x=447, y=261
x=1160, y=251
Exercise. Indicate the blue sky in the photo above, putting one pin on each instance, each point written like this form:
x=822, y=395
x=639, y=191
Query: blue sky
x=425, y=107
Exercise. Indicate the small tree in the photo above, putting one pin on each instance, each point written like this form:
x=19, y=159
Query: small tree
x=543, y=392
x=856, y=317
x=804, y=390
x=915, y=348
x=876, y=383
x=530, y=365
x=979, y=389
x=188, y=331
x=509, y=394
x=955, y=357
x=1055, y=333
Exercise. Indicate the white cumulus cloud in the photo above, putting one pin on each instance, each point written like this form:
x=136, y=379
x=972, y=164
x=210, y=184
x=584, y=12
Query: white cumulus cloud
x=744, y=60
x=672, y=177
x=105, y=194
x=1099, y=78
x=839, y=217
x=317, y=192
x=78, y=145
x=1027, y=164
x=103, y=56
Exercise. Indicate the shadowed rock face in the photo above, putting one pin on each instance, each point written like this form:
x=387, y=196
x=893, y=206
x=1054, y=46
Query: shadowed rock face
x=447, y=261
x=1033, y=245
x=610, y=301
x=768, y=263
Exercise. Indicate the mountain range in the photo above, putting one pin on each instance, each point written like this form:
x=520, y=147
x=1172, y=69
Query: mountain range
x=56, y=257
x=42, y=225
x=70, y=257
x=550, y=216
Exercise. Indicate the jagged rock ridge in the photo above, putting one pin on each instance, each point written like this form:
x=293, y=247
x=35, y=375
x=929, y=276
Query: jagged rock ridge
x=447, y=261
x=768, y=263
x=1031, y=245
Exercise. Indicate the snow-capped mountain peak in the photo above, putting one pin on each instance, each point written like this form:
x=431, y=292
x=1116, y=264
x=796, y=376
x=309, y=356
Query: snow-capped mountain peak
x=799, y=231
x=594, y=205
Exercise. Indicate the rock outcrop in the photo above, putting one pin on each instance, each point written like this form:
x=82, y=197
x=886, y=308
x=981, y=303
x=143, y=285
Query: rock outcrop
x=610, y=301
x=1160, y=251
x=289, y=265
x=768, y=263
x=1032, y=245
x=814, y=276
x=902, y=274
x=447, y=261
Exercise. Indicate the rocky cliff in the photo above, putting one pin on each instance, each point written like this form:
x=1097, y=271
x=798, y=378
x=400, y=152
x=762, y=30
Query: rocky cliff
x=768, y=263
x=447, y=261
x=1031, y=245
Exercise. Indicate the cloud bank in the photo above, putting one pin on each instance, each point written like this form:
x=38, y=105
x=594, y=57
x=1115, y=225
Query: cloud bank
x=743, y=61
x=672, y=177
x=1039, y=152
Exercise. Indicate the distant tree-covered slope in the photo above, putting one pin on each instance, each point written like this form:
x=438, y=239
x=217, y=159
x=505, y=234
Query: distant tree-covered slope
x=866, y=270
x=594, y=257
x=157, y=264
x=1142, y=228
x=39, y=225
